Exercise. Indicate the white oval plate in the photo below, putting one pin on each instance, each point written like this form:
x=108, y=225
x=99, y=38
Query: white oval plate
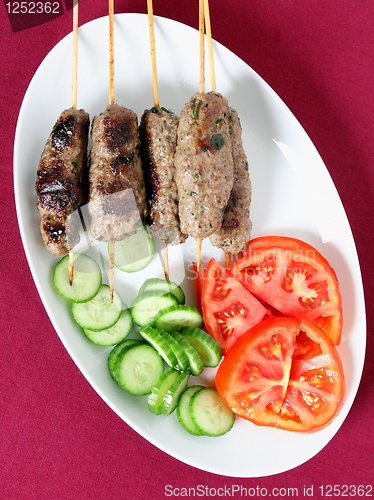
x=293, y=195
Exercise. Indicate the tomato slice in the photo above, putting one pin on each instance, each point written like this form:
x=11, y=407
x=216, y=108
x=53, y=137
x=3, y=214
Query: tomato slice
x=316, y=386
x=228, y=309
x=253, y=377
x=283, y=373
x=294, y=278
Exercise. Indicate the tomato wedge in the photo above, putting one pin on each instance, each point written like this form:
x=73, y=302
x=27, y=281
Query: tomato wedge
x=294, y=278
x=253, y=377
x=228, y=309
x=315, y=390
x=283, y=373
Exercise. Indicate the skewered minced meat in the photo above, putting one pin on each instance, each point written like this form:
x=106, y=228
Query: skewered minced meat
x=61, y=184
x=235, y=232
x=158, y=139
x=204, y=164
x=116, y=183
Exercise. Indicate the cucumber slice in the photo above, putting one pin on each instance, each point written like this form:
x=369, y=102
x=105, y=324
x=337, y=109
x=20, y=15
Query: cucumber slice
x=196, y=365
x=116, y=350
x=209, y=413
x=153, y=337
x=146, y=305
x=156, y=397
x=183, y=362
x=138, y=368
x=98, y=313
x=207, y=347
x=135, y=252
x=183, y=410
x=172, y=395
x=86, y=278
x=172, y=318
x=114, y=334
x=165, y=285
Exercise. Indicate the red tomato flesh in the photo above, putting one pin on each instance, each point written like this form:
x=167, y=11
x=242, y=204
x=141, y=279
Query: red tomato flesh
x=228, y=309
x=316, y=387
x=283, y=373
x=294, y=278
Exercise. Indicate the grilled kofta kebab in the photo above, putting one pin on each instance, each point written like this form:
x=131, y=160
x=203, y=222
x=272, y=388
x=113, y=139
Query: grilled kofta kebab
x=116, y=183
x=235, y=232
x=204, y=164
x=61, y=184
x=158, y=139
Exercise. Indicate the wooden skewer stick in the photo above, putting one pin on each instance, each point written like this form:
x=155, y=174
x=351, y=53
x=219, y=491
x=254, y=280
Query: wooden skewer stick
x=153, y=53
x=71, y=265
x=209, y=44
x=111, y=52
x=74, y=105
x=111, y=101
x=166, y=259
x=156, y=103
x=201, y=90
x=75, y=55
x=111, y=268
x=202, y=47
x=212, y=73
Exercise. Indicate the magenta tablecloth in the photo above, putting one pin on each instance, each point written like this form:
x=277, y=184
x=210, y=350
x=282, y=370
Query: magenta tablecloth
x=59, y=440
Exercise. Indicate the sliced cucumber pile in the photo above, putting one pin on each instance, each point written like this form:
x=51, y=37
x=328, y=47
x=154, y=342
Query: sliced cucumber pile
x=170, y=334
x=135, y=252
x=86, y=278
x=103, y=323
x=185, y=353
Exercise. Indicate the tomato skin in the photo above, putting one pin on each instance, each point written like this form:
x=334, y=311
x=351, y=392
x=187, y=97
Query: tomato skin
x=308, y=395
x=285, y=242
x=293, y=278
x=228, y=309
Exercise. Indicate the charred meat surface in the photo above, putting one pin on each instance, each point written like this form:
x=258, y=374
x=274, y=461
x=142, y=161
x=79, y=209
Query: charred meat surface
x=61, y=184
x=158, y=139
x=116, y=183
x=235, y=231
x=204, y=164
